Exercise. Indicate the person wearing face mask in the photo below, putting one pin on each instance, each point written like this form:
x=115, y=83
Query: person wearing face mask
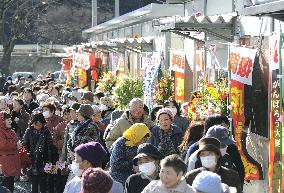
x=9, y=155
x=88, y=155
x=135, y=114
x=7, y=84
x=166, y=136
x=171, y=177
x=210, y=157
x=52, y=120
x=230, y=155
x=38, y=142
x=148, y=160
x=180, y=121
x=125, y=149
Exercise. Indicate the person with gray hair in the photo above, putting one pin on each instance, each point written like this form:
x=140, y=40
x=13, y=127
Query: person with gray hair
x=135, y=114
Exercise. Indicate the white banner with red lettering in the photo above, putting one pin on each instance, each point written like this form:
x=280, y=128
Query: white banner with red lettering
x=241, y=64
x=177, y=60
x=274, y=47
x=82, y=60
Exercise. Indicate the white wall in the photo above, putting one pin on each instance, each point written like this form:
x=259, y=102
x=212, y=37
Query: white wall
x=217, y=7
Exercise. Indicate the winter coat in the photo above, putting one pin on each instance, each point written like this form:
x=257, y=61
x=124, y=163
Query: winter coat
x=156, y=186
x=85, y=132
x=121, y=160
x=70, y=127
x=181, y=122
x=6, y=87
x=233, y=152
x=52, y=122
x=21, y=125
x=40, y=147
x=116, y=129
x=58, y=136
x=176, y=138
x=228, y=176
x=136, y=183
x=9, y=154
x=30, y=106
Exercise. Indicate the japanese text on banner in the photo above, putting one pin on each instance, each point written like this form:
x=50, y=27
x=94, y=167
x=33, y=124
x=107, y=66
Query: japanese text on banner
x=177, y=60
x=153, y=63
x=241, y=64
x=82, y=60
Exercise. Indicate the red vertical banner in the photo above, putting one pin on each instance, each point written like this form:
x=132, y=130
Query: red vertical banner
x=237, y=101
x=241, y=67
x=179, y=86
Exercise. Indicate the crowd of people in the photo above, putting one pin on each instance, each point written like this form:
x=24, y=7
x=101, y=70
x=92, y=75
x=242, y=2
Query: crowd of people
x=64, y=139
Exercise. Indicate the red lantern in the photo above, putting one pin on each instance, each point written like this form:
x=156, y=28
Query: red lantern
x=94, y=75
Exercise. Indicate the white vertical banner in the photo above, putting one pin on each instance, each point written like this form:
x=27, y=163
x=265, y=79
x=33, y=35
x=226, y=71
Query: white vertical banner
x=189, y=52
x=241, y=64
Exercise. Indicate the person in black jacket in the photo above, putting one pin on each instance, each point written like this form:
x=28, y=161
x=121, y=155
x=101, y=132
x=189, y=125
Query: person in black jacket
x=30, y=105
x=147, y=160
x=7, y=84
x=38, y=142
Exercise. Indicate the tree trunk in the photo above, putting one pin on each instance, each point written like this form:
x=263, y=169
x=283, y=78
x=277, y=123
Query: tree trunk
x=6, y=58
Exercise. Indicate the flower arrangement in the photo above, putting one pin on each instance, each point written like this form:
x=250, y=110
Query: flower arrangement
x=210, y=99
x=163, y=90
x=107, y=82
x=126, y=90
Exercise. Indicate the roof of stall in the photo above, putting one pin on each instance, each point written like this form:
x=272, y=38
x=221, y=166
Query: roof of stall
x=272, y=8
x=147, y=13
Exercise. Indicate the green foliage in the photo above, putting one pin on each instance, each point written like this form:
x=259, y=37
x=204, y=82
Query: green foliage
x=127, y=89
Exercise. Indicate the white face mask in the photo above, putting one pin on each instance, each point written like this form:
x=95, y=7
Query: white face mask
x=45, y=114
x=75, y=168
x=208, y=161
x=174, y=111
x=148, y=168
x=9, y=81
x=223, y=151
x=57, y=113
x=103, y=107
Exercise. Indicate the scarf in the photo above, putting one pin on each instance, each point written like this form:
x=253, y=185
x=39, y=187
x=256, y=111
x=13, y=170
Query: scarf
x=135, y=134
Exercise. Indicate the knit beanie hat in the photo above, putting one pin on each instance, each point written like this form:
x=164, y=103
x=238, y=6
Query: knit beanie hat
x=88, y=96
x=86, y=110
x=208, y=182
x=93, y=152
x=165, y=111
x=96, y=180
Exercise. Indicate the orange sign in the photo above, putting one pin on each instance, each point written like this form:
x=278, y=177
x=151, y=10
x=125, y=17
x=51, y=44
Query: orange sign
x=179, y=86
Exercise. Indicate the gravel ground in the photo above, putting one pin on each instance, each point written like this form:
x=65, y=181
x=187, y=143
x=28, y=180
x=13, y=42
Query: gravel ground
x=22, y=187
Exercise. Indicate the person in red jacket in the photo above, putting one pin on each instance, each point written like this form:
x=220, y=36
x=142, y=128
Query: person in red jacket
x=9, y=154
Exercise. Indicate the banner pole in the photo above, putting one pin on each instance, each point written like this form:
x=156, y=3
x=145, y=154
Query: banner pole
x=230, y=93
x=281, y=109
